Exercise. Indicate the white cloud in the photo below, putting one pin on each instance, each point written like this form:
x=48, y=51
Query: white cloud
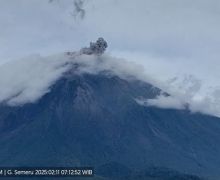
x=161, y=101
x=26, y=80
x=187, y=92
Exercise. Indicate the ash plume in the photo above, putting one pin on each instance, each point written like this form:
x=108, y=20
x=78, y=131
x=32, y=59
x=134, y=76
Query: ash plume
x=96, y=48
x=79, y=10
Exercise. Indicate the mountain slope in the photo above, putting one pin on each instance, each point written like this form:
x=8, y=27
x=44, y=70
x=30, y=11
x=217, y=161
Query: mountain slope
x=92, y=120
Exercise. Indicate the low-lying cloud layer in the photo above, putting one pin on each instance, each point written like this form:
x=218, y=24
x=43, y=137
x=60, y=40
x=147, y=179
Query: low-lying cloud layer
x=28, y=79
x=187, y=93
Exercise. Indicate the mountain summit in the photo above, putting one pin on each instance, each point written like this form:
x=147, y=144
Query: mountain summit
x=90, y=117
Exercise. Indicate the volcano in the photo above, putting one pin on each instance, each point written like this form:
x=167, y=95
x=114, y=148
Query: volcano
x=94, y=120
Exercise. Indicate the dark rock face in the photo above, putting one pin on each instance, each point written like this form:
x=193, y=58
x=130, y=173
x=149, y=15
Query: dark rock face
x=92, y=120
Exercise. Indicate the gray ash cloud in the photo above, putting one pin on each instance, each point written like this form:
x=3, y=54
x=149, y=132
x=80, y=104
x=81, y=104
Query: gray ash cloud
x=97, y=47
x=79, y=10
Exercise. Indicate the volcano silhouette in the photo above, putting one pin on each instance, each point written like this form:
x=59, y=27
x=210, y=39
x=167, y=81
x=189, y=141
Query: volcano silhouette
x=94, y=120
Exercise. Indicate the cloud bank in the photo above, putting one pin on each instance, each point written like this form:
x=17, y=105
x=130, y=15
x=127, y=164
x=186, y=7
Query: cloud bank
x=186, y=93
x=27, y=80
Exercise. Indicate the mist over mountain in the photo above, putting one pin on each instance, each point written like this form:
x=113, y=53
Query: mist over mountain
x=17, y=88
x=77, y=109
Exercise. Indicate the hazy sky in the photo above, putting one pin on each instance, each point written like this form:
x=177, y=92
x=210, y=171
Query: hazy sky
x=184, y=32
x=170, y=38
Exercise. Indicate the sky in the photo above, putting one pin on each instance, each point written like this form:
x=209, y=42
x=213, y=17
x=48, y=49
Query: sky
x=179, y=36
x=175, y=41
